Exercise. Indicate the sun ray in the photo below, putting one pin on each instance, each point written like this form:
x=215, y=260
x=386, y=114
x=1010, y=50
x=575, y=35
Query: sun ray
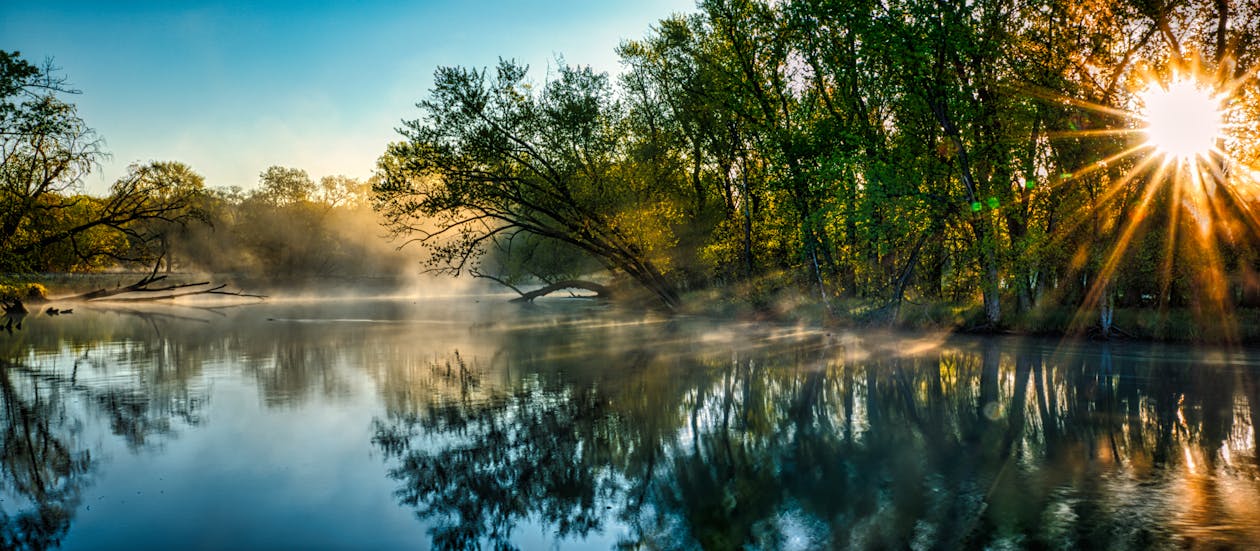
x=1176, y=141
x=1093, y=133
x=1113, y=189
x=1038, y=92
x=1214, y=283
x=1248, y=216
x=1135, y=220
x=1107, y=161
x=1170, y=243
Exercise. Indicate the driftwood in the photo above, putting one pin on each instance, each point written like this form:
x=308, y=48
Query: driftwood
x=600, y=291
x=145, y=290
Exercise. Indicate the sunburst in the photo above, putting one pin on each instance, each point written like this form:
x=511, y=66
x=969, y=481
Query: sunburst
x=1182, y=124
x=1184, y=118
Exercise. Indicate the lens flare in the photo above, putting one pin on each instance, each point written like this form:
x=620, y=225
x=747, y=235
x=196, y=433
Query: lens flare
x=1183, y=119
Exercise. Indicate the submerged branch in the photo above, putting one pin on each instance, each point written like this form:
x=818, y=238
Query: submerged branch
x=149, y=293
x=601, y=291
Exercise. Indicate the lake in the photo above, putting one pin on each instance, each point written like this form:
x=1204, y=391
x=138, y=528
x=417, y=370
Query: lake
x=463, y=422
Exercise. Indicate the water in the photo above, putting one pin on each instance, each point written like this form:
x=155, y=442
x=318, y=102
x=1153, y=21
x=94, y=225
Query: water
x=459, y=423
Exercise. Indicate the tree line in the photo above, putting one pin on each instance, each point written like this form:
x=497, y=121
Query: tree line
x=161, y=213
x=859, y=153
x=863, y=152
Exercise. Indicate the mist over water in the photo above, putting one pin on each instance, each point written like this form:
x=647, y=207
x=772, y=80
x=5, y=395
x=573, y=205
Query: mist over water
x=463, y=421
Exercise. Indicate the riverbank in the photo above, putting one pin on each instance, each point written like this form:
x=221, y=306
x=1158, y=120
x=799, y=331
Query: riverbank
x=55, y=285
x=1180, y=325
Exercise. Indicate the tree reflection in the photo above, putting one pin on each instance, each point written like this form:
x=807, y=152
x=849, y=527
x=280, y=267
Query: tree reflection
x=536, y=452
x=809, y=445
x=46, y=462
x=41, y=464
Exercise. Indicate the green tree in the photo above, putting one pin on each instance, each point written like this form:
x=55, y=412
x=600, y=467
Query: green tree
x=284, y=186
x=494, y=157
x=45, y=222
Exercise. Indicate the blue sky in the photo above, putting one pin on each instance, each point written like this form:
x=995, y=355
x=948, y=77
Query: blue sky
x=234, y=87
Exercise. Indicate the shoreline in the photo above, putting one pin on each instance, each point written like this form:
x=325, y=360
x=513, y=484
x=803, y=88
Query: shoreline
x=1184, y=325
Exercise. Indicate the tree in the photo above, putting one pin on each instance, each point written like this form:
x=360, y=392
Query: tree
x=492, y=158
x=140, y=208
x=284, y=186
x=170, y=183
x=288, y=229
x=47, y=151
x=342, y=191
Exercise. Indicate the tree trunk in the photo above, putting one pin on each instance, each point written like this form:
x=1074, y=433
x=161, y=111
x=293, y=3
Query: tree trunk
x=600, y=291
x=992, y=304
x=746, y=200
x=907, y=272
x=1106, y=314
x=1024, y=286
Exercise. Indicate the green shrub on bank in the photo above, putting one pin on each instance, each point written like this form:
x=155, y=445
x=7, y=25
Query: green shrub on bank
x=27, y=292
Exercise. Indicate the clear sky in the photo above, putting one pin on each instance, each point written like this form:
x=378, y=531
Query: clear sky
x=234, y=87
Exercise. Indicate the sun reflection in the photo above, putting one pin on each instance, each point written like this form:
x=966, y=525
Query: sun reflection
x=1183, y=118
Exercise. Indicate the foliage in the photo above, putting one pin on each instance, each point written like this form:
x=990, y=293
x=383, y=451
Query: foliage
x=944, y=151
x=493, y=159
x=46, y=223
x=22, y=291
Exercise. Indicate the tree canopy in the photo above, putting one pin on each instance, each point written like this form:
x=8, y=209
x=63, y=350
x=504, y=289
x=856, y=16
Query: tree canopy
x=46, y=221
x=493, y=160
x=872, y=151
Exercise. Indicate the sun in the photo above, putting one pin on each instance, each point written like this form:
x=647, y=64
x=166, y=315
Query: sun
x=1183, y=119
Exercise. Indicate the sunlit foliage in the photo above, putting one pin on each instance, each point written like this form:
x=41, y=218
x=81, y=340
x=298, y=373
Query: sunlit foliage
x=46, y=222
x=993, y=153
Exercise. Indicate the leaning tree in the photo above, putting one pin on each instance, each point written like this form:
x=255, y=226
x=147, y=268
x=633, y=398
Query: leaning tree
x=492, y=160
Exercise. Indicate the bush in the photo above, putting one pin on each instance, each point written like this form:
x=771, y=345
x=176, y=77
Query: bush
x=27, y=292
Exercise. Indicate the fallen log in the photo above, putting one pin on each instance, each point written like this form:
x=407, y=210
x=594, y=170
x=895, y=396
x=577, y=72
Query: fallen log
x=601, y=291
x=146, y=292
x=141, y=286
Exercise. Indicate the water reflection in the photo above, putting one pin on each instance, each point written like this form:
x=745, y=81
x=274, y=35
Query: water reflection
x=809, y=443
x=602, y=429
x=42, y=466
x=53, y=384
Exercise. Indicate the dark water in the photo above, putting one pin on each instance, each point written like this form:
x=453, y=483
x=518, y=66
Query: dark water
x=454, y=424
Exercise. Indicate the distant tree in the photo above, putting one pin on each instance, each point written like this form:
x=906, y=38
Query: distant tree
x=342, y=191
x=179, y=183
x=284, y=186
x=291, y=228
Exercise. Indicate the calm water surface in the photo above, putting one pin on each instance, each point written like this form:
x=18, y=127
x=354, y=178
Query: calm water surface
x=456, y=424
